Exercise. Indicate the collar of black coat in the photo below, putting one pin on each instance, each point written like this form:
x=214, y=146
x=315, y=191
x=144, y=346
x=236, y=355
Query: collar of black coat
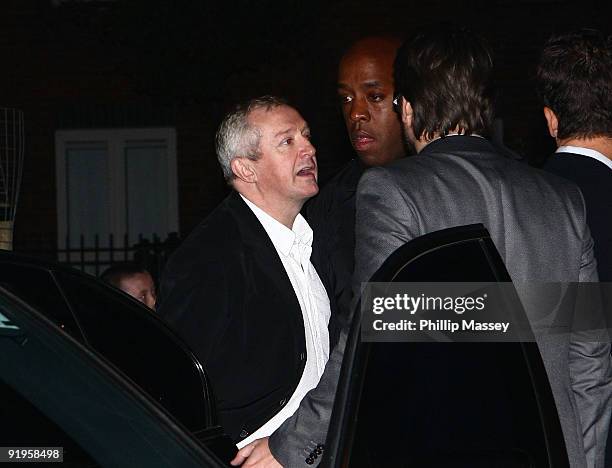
x=258, y=246
x=258, y=243
x=252, y=232
x=451, y=143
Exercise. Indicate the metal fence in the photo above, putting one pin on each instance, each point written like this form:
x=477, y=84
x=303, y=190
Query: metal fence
x=94, y=257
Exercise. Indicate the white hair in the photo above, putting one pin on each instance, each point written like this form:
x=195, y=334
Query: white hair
x=235, y=138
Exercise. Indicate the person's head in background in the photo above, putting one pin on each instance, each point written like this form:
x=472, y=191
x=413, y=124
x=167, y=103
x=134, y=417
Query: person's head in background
x=575, y=83
x=365, y=90
x=133, y=280
x=443, y=80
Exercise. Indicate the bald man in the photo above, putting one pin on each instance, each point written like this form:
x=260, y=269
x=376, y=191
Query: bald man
x=365, y=92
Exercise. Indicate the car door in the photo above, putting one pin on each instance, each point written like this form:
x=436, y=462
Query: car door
x=444, y=404
x=144, y=348
x=87, y=408
x=125, y=333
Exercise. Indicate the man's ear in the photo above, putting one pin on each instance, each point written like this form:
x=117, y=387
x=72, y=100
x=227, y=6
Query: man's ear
x=552, y=121
x=406, y=112
x=243, y=169
x=407, y=121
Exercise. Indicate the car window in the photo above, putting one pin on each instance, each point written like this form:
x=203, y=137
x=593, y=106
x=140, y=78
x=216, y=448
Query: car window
x=36, y=287
x=445, y=404
x=138, y=343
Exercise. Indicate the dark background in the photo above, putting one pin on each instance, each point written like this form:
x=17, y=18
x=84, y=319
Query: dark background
x=137, y=63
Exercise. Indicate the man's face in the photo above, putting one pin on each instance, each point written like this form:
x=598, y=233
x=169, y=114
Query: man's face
x=140, y=286
x=365, y=89
x=287, y=167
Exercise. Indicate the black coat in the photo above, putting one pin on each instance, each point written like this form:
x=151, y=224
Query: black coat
x=226, y=293
x=331, y=215
x=595, y=181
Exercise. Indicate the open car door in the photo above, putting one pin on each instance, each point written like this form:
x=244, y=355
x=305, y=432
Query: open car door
x=444, y=404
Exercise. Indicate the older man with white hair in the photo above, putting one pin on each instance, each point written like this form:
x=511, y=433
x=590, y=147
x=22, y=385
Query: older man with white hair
x=241, y=290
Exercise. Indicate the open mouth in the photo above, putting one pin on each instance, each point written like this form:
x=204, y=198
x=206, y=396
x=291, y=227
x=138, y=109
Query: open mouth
x=307, y=172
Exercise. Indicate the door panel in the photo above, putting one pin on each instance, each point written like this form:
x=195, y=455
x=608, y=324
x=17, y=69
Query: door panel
x=444, y=404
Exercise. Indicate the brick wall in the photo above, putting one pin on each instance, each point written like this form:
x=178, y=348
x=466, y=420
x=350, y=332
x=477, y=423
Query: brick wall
x=58, y=59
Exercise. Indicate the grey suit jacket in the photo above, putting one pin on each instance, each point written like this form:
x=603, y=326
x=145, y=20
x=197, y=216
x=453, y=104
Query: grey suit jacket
x=537, y=222
x=300, y=440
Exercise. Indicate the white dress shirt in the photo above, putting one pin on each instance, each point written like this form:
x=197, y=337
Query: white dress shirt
x=591, y=153
x=294, y=247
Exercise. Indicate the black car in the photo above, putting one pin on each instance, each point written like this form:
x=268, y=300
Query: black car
x=398, y=404
x=58, y=394
x=125, y=333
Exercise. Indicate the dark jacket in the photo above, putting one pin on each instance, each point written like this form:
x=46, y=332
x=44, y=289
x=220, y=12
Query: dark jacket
x=538, y=224
x=226, y=293
x=331, y=215
x=595, y=181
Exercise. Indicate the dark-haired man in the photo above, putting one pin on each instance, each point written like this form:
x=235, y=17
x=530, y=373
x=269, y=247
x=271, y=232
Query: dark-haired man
x=575, y=83
x=241, y=289
x=457, y=178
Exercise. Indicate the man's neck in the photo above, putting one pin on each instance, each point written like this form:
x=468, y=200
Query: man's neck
x=601, y=144
x=285, y=213
x=423, y=142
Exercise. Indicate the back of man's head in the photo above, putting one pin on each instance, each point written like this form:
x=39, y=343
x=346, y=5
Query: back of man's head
x=445, y=75
x=575, y=81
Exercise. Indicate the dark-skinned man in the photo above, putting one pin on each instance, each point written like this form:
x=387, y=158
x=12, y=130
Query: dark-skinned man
x=365, y=91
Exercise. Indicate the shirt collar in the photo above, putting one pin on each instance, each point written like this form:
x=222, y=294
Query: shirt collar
x=281, y=236
x=591, y=153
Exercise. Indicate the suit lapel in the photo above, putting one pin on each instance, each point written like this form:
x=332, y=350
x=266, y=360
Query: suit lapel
x=260, y=251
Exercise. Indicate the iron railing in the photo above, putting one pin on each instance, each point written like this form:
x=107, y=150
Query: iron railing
x=95, y=256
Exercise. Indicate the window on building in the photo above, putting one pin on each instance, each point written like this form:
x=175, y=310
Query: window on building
x=119, y=182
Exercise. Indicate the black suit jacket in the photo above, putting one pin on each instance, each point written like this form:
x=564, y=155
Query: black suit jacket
x=226, y=293
x=331, y=215
x=595, y=181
